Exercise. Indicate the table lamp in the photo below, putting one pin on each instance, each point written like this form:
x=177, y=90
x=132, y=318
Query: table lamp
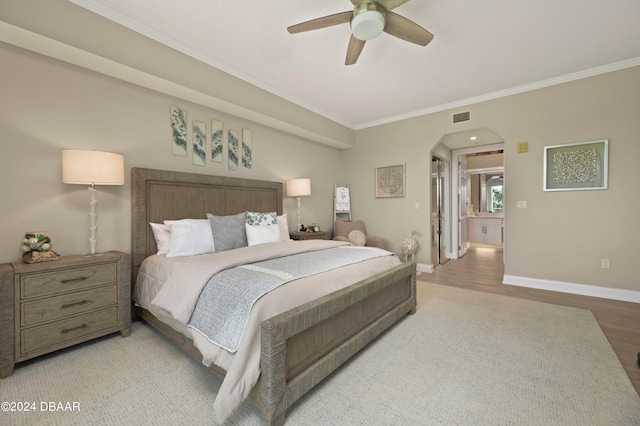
x=92, y=168
x=298, y=188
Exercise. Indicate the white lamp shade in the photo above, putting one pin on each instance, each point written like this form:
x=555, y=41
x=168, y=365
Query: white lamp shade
x=298, y=187
x=367, y=25
x=92, y=167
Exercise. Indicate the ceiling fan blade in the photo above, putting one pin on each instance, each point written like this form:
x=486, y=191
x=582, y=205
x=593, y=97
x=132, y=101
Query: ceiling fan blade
x=353, y=51
x=325, y=21
x=391, y=4
x=405, y=29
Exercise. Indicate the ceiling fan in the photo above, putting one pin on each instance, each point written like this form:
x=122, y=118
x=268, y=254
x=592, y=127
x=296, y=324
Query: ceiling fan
x=369, y=19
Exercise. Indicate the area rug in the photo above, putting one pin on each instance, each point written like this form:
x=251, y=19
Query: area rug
x=465, y=358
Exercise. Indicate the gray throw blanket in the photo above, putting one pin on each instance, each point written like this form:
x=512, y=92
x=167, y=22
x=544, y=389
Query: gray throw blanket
x=225, y=303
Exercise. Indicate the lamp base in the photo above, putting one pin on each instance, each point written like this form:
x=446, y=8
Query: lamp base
x=298, y=226
x=93, y=243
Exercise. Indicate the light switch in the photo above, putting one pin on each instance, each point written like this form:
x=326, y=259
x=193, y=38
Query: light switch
x=521, y=204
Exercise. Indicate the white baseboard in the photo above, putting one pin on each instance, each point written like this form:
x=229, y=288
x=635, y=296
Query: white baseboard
x=423, y=267
x=572, y=288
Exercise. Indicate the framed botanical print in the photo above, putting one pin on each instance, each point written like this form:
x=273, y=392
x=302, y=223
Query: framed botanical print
x=179, y=130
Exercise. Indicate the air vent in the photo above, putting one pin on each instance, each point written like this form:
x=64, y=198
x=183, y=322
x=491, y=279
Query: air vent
x=461, y=116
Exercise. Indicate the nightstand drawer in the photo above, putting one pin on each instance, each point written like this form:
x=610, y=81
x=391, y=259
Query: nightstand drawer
x=48, y=306
x=320, y=235
x=52, y=282
x=58, y=307
x=57, y=333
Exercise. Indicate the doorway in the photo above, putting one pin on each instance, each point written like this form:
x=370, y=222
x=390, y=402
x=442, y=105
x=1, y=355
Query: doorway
x=465, y=209
x=454, y=147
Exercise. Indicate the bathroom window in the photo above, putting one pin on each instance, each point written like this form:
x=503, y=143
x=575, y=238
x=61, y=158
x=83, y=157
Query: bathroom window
x=494, y=194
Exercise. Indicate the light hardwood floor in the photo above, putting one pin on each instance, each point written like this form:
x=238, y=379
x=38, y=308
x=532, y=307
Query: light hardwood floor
x=481, y=269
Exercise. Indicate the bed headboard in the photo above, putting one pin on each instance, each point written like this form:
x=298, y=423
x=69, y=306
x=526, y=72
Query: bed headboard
x=159, y=195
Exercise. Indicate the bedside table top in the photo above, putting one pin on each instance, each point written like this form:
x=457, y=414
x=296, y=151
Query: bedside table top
x=322, y=235
x=66, y=261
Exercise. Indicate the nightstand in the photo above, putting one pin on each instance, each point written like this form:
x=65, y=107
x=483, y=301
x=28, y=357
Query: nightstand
x=309, y=235
x=56, y=304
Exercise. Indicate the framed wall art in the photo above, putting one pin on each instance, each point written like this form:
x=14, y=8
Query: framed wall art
x=179, y=131
x=576, y=166
x=390, y=181
x=232, y=140
x=247, y=158
x=199, y=143
x=216, y=141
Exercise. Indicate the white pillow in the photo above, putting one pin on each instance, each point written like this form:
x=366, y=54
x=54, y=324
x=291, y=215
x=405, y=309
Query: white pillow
x=283, y=224
x=162, y=234
x=189, y=237
x=357, y=238
x=262, y=234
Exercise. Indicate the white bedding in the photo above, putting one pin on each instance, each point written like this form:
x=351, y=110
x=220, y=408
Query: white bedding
x=169, y=288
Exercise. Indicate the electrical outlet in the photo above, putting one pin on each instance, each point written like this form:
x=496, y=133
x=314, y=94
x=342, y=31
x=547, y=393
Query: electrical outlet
x=604, y=263
x=521, y=204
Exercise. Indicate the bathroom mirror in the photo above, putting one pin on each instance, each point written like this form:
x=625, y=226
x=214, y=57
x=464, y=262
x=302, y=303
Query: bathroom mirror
x=485, y=171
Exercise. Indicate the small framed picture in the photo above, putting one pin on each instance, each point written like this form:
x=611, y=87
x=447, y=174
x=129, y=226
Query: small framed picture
x=390, y=181
x=576, y=166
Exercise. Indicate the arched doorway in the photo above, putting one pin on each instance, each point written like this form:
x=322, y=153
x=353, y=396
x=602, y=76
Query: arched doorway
x=455, y=146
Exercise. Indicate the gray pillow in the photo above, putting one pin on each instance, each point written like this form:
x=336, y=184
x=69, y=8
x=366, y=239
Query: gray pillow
x=228, y=231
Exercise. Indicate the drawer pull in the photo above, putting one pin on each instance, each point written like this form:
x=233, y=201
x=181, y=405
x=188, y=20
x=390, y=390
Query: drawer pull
x=73, y=280
x=71, y=305
x=69, y=330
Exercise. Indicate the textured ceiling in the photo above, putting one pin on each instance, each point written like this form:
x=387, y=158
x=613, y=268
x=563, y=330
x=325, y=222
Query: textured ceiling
x=482, y=49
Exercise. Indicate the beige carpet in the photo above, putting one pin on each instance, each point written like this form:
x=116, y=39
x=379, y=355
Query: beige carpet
x=465, y=358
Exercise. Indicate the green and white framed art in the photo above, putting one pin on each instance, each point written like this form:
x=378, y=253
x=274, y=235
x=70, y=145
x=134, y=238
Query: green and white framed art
x=199, y=143
x=179, y=131
x=216, y=141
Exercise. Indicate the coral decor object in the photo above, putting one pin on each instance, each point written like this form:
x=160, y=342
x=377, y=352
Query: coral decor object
x=409, y=247
x=36, y=247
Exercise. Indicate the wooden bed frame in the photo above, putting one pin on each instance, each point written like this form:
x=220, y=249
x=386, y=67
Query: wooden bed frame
x=300, y=347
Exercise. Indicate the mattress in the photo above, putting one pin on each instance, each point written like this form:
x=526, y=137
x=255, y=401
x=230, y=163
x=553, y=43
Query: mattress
x=169, y=288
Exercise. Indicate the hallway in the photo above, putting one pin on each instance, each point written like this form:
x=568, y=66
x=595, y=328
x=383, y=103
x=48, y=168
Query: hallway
x=482, y=269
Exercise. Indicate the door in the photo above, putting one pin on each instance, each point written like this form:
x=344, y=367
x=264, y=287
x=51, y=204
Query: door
x=438, y=212
x=462, y=206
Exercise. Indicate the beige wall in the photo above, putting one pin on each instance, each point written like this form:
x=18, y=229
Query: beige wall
x=48, y=105
x=561, y=236
x=75, y=27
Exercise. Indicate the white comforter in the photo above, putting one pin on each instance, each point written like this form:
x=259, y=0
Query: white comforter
x=170, y=287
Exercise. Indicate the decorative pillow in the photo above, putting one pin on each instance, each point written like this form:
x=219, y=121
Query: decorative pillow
x=162, y=235
x=283, y=224
x=189, y=237
x=357, y=238
x=228, y=231
x=259, y=219
x=262, y=234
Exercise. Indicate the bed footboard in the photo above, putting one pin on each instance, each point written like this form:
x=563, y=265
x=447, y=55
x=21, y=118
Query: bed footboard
x=304, y=345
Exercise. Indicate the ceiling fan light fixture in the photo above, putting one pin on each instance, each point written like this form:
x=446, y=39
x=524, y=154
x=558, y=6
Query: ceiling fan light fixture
x=368, y=20
x=367, y=25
